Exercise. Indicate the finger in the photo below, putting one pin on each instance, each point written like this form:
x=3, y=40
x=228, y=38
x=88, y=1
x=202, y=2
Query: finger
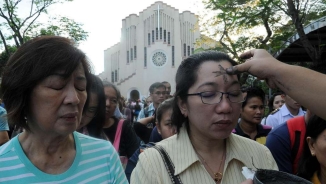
x=247, y=55
x=240, y=68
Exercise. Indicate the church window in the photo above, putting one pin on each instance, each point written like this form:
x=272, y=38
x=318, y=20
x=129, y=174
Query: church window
x=164, y=35
x=168, y=37
x=160, y=33
x=135, y=52
x=172, y=55
x=131, y=54
x=192, y=50
x=116, y=76
x=156, y=33
x=145, y=57
x=184, y=49
x=127, y=57
x=112, y=77
x=159, y=58
x=149, y=38
x=188, y=50
x=153, y=36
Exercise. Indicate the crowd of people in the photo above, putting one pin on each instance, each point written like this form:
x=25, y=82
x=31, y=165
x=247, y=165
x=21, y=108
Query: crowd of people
x=62, y=124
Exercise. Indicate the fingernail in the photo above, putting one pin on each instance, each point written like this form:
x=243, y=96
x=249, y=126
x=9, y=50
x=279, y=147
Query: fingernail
x=229, y=70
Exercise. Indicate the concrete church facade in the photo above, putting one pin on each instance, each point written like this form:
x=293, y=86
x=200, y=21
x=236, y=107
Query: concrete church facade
x=151, y=48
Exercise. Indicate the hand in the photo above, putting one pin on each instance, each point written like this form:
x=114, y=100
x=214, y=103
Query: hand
x=260, y=64
x=248, y=181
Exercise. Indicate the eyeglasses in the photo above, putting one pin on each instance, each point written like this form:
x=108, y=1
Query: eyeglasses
x=215, y=97
x=160, y=93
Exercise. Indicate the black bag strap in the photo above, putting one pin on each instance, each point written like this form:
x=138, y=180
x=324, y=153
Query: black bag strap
x=168, y=164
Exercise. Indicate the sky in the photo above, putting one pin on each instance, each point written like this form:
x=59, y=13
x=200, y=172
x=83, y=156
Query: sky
x=102, y=19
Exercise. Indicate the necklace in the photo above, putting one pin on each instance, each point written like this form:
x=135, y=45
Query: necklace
x=217, y=175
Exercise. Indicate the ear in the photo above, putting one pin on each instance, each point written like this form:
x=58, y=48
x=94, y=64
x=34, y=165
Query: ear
x=311, y=144
x=183, y=107
x=158, y=128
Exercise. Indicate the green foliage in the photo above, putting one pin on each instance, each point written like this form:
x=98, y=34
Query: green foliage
x=4, y=56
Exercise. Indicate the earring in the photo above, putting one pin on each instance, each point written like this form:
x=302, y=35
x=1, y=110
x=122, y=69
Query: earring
x=25, y=119
x=313, y=154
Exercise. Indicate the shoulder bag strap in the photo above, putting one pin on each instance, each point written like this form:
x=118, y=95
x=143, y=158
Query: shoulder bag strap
x=168, y=164
x=117, y=137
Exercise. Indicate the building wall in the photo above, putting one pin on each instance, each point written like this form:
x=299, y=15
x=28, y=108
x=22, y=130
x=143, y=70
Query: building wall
x=171, y=42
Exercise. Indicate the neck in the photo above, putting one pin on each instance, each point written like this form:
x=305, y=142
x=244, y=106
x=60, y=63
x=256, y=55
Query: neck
x=209, y=147
x=248, y=128
x=322, y=175
x=155, y=105
x=294, y=112
x=108, y=123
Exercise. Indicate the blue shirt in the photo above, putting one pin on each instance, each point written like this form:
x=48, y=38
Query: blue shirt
x=279, y=143
x=150, y=111
x=3, y=120
x=281, y=116
x=96, y=161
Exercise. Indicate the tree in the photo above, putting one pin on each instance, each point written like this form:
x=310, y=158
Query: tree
x=21, y=29
x=237, y=22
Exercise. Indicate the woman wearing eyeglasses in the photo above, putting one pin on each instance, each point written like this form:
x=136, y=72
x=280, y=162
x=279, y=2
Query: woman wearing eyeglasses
x=94, y=111
x=206, y=108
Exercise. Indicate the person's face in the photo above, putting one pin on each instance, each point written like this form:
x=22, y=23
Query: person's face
x=158, y=95
x=165, y=128
x=149, y=100
x=253, y=111
x=57, y=103
x=278, y=101
x=291, y=103
x=318, y=147
x=111, y=101
x=212, y=121
x=90, y=112
x=167, y=90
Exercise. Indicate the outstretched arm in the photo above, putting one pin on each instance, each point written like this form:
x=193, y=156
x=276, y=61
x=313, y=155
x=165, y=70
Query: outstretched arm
x=304, y=85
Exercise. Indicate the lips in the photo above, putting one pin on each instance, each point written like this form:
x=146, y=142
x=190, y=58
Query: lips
x=70, y=115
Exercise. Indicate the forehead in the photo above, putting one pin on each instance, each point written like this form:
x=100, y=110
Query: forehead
x=159, y=89
x=109, y=91
x=213, y=73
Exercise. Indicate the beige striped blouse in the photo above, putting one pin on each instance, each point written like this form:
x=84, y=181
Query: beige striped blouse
x=240, y=152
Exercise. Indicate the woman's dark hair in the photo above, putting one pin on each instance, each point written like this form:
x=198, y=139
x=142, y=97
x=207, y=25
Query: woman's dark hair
x=95, y=126
x=109, y=84
x=309, y=164
x=271, y=101
x=29, y=65
x=162, y=108
x=254, y=91
x=187, y=75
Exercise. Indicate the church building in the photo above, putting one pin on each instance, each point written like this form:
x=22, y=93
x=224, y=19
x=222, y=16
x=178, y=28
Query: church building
x=151, y=48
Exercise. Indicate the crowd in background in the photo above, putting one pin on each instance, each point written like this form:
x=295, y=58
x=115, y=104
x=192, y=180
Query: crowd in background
x=60, y=123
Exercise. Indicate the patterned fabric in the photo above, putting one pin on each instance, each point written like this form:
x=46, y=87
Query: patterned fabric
x=240, y=152
x=3, y=120
x=262, y=132
x=151, y=111
x=96, y=161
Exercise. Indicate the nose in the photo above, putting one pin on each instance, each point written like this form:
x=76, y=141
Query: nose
x=107, y=102
x=72, y=97
x=224, y=106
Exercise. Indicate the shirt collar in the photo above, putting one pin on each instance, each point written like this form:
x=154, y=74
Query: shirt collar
x=285, y=111
x=151, y=107
x=188, y=156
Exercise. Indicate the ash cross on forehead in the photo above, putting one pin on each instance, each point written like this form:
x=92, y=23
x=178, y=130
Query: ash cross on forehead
x=221, y=72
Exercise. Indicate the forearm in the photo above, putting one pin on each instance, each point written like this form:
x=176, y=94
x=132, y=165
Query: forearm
x=147, y=120
x=305, y=86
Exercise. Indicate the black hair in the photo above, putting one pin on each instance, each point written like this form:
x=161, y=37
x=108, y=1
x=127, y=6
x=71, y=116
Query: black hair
x=109, y=84
x=95, y=126
x=271, y=101
x=155, y=86
x=162, y=108
x=254, y=92
x=186, y=76
x=29, y=65
x=309, y=164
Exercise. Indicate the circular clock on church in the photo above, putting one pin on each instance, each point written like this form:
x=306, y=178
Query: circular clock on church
x=159, y=58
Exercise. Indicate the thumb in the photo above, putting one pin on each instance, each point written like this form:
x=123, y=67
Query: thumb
x=240, y=68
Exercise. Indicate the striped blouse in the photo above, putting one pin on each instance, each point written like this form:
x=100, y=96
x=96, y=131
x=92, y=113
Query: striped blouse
x=240, y=152
x=96, y=161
